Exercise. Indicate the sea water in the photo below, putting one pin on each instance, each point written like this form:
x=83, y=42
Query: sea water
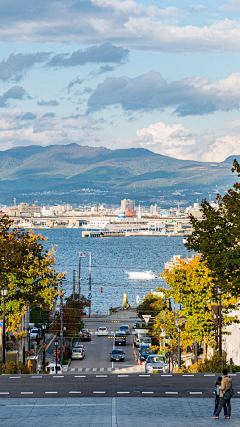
x=111, y=258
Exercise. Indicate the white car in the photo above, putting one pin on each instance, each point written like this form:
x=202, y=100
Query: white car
x=102, y=330
x=77, y=353
x=80, y=347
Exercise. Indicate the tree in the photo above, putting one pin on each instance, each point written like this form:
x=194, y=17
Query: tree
x=192, y=286
x=28, y=271
x=72, y=312
x=217, y=238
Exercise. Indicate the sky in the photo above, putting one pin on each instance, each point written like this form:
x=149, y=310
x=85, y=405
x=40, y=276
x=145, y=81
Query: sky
x=157, y=74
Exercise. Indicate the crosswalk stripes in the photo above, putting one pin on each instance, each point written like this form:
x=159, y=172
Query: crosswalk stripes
x=99, y=369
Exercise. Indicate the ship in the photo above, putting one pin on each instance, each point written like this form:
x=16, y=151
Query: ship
x=141, y=275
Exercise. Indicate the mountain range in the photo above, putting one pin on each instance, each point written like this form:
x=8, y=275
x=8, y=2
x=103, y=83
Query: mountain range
x=58, y=170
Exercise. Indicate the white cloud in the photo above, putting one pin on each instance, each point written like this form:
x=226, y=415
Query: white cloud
x=46, y=129
x=126, y=23
x=179, y=142
x=231, y=5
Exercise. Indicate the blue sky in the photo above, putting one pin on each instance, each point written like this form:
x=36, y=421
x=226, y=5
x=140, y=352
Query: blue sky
x=162, y=75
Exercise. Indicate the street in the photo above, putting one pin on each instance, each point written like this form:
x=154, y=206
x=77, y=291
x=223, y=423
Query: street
x=97, y=351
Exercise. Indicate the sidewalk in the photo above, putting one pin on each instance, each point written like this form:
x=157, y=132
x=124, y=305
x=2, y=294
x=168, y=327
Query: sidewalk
x=113, y=412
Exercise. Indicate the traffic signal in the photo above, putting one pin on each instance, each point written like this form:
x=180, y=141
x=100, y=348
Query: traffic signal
x=101, y=288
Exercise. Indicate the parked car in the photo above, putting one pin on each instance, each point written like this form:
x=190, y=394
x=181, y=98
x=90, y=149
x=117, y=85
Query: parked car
x=51, y=368
x=80, y=346
x=102, y=330
x=156, y=364
x=85, y=336
x=83, y=330
x=145, y=341
x=120, y=338
x=34, y=334
x=139, y=336
x=125, y=328
x=143, y=354
x=117, y=355
x=77, y=353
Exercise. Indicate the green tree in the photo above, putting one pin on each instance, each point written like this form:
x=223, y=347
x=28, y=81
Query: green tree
x=72, y=312
x=217, y=238
x=28, y=271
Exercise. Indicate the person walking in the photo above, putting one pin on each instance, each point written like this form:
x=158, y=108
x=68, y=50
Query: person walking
x=217, y=397
x=225, y=386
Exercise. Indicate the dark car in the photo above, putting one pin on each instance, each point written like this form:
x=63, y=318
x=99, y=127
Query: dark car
x=117, y=355
x=120, y=338
x=85, y=336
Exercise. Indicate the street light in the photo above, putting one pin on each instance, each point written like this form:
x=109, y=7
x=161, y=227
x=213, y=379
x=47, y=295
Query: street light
x=56, y=345
x=44, y=327
x=220, y=321
x=4, y=293
x=179, y=348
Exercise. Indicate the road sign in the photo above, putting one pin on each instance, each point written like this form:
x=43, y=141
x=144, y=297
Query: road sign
x=146, y=317
x=89, y=296
x=58, y=352
x=57, y=359
x=1, y=323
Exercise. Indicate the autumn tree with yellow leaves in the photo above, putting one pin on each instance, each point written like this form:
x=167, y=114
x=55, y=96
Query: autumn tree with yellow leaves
x=27, y=268
x=192, y=287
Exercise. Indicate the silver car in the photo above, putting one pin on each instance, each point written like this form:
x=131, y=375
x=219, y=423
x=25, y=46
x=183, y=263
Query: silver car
x=156, y=364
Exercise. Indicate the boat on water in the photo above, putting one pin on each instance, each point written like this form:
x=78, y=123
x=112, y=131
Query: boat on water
x=142, y=275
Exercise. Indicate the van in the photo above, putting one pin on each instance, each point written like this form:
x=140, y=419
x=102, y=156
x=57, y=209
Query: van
x=51, y=368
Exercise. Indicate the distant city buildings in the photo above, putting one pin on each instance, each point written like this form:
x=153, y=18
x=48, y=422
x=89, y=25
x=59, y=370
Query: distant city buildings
x=127, y=204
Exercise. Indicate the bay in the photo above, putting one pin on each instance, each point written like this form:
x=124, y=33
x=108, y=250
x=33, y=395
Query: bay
x=111, y=257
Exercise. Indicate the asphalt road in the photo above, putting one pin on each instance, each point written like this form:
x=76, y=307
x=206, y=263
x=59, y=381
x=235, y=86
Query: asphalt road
x=97, y=351
x=111, y=385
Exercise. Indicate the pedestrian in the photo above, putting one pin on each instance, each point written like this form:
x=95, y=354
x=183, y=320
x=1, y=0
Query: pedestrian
x=217, y=397
x=225, y=386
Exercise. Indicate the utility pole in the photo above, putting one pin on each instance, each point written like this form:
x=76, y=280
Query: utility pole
x=74, y=283
x=23, y=328
x=90, y=281
x=61, y=319
x=81, y=255
x=220, y=323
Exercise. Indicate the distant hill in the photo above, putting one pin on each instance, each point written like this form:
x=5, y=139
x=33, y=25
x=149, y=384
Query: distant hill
x=231, y=158
x=73, y=167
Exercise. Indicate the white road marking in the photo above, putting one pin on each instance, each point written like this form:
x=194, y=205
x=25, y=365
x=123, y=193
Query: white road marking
x=147, y=392
x=36, y=376
x=101, y=376
x=99, y=392
x=123, y=392
x=51, y=392
x=26, y=392
x=144, y=375
x=73, y=392
x=238, y=392
x=114, y=412
x=171, y=392
x=166, y=375
x=195, y=392
x=79, y=376
x=188, y=375
x=58, y=376
x=4, y=392
x=123, y=375
x=233, y=375
x=14, y=377
x=209, y=375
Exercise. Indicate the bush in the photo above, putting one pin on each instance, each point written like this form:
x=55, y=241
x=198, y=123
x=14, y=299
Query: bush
x=14, y=368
